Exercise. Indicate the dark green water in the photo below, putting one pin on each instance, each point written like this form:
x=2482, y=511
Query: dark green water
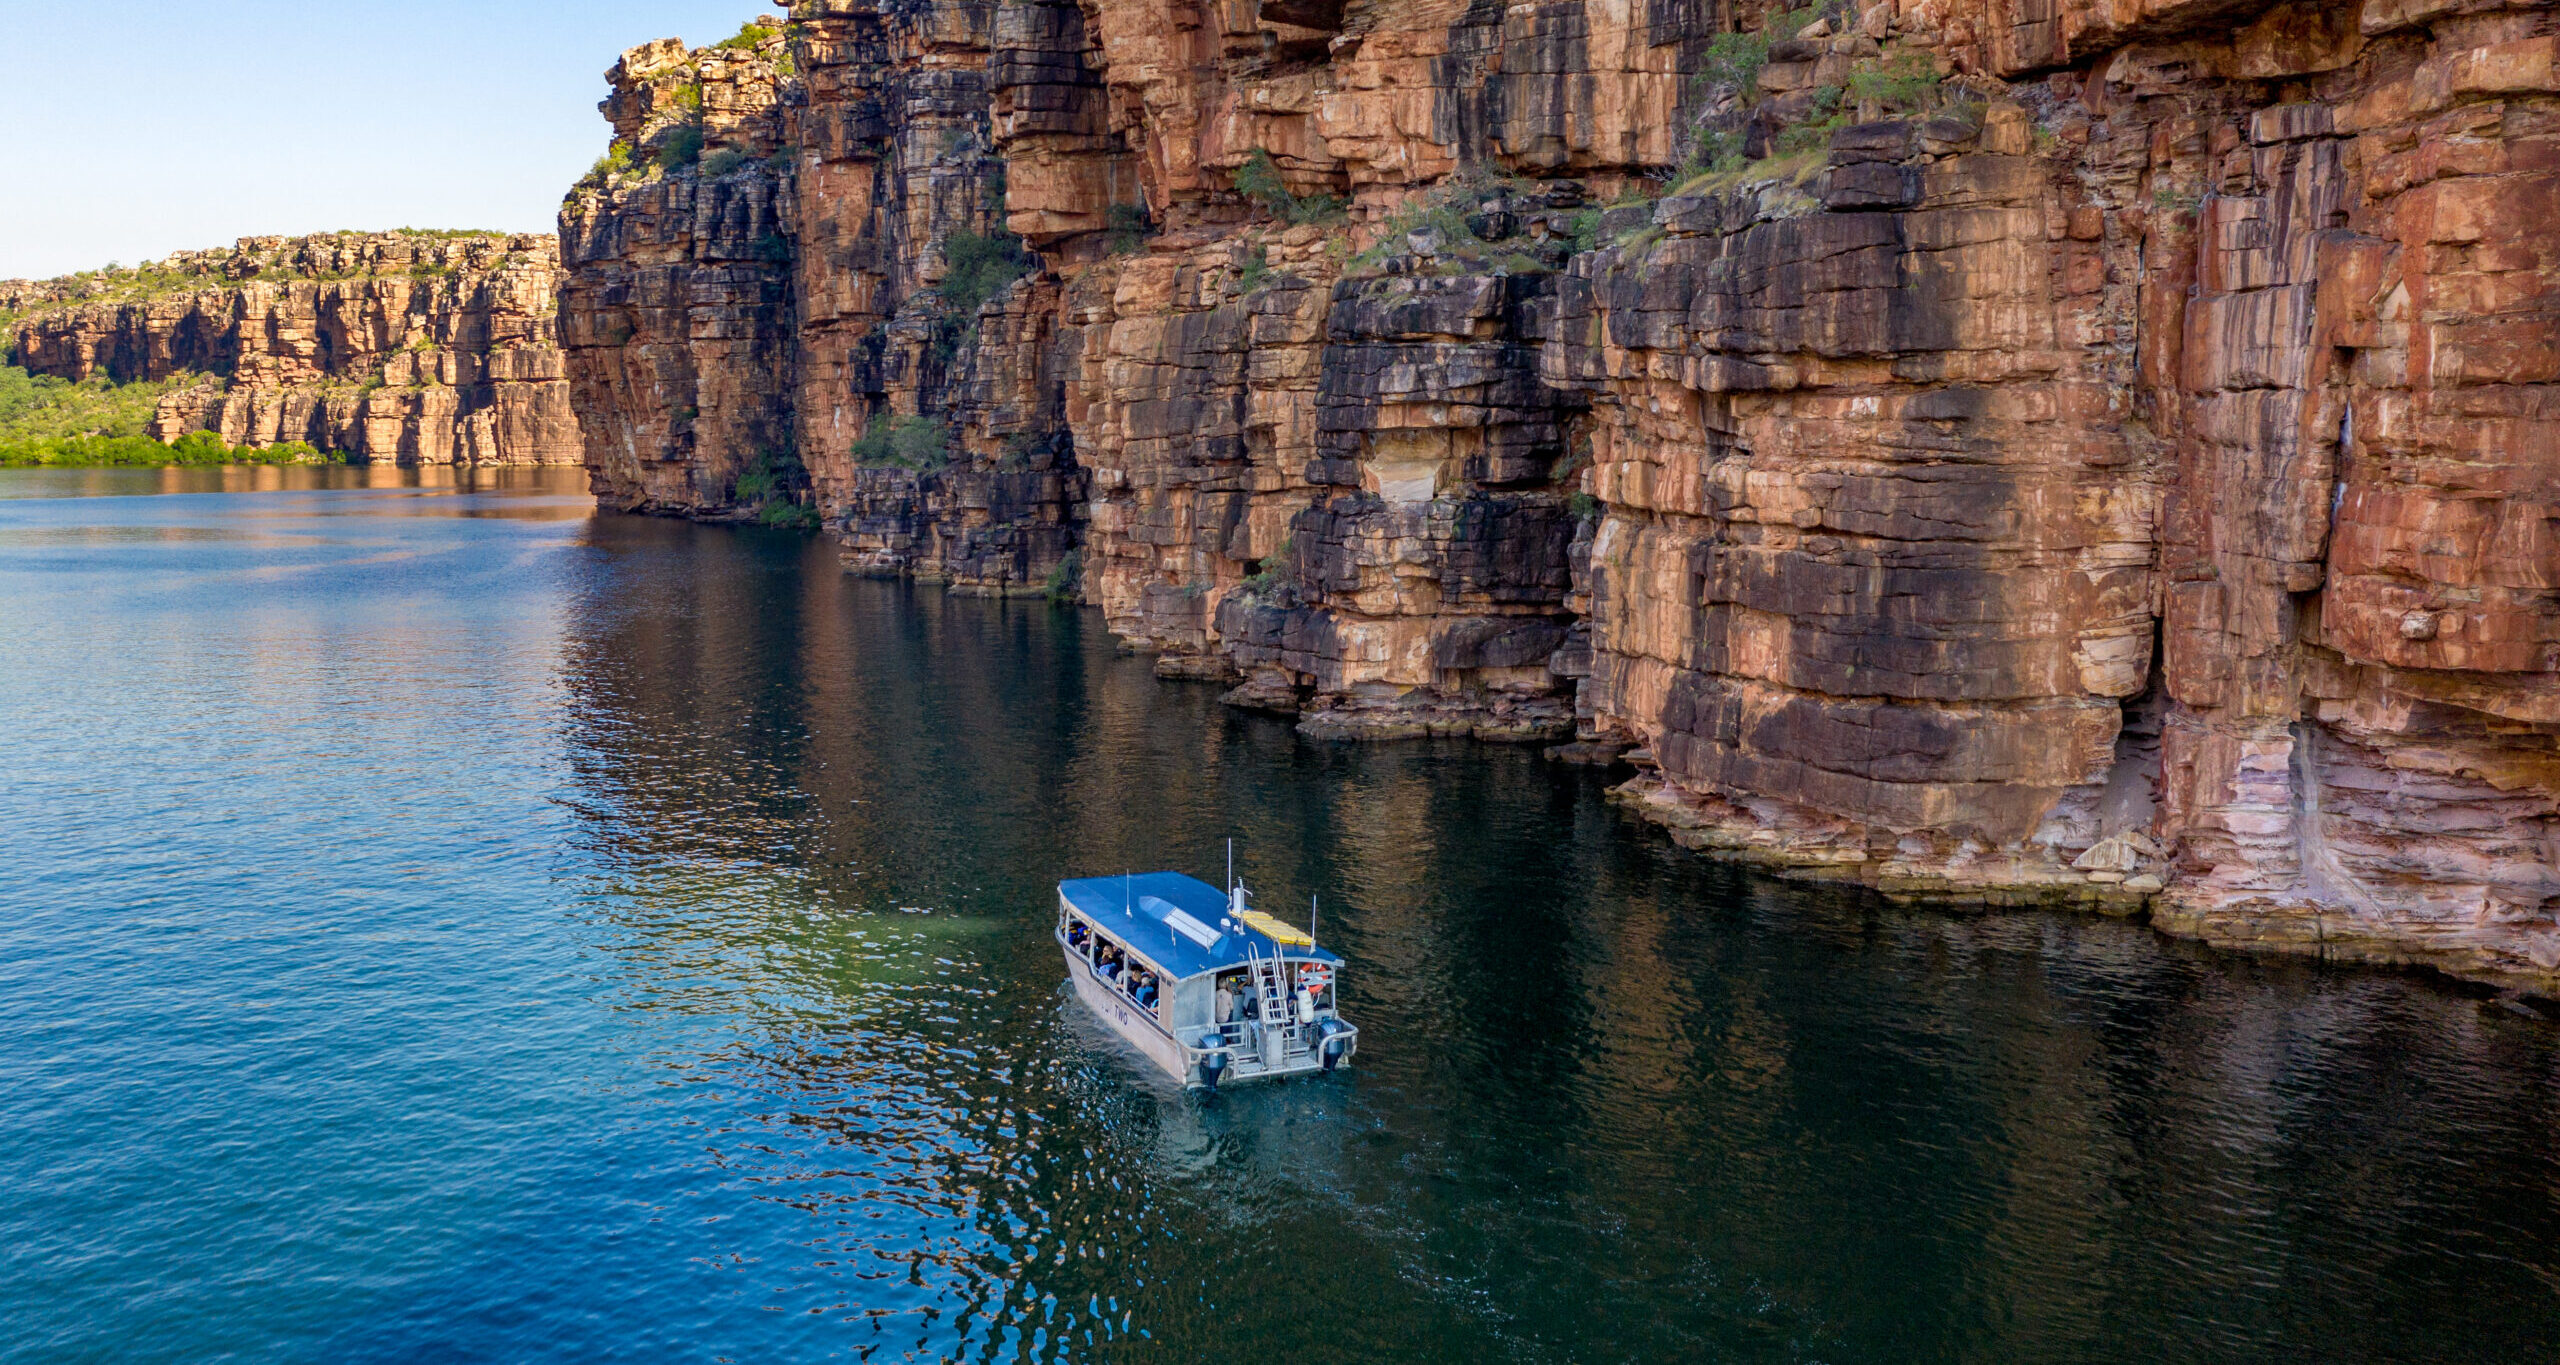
x=441, y=924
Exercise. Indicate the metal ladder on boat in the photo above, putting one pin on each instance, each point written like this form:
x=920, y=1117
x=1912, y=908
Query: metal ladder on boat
x=1275, y=1014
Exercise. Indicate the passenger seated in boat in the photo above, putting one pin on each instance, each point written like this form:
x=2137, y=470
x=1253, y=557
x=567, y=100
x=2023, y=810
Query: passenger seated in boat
x=1107, y=966
x=1076, y=934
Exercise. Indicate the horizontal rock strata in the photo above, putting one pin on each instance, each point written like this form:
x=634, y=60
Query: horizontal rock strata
x=2090, y=451
x=400, y=347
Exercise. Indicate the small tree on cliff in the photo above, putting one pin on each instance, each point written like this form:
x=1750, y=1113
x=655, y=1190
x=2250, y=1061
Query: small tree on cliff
x=979, y=266
x=1258, y=179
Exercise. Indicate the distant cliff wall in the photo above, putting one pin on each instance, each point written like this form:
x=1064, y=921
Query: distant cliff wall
x=2094, y=451
x=400, y=347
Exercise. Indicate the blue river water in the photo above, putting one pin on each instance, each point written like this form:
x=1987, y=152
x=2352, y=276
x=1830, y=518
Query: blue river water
x=441, y=923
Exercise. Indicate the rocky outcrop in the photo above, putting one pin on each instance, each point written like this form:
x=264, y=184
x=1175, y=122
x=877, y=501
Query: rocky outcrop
x=1425, y=590
x=2090, y=451
x=1872, y=587
x=396, y=348
x=761, y=310
x=676, y=313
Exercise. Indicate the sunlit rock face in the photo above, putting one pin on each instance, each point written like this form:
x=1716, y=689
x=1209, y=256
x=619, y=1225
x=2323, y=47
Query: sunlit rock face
x=677, y=313
x=753, y=291
x=2095, y=451
x=392, y=348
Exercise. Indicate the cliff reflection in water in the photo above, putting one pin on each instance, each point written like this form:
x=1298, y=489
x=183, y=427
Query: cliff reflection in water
x=1615, y=1102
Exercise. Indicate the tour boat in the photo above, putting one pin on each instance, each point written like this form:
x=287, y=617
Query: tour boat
x=1207, y=987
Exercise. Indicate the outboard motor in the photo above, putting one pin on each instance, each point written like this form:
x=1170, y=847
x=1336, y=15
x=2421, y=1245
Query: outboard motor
x=1212, y=1066
x=1332, y=1048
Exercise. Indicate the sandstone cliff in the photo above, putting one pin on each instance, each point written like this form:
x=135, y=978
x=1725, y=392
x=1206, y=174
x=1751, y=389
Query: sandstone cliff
x=2085, y=450
x=398, y=347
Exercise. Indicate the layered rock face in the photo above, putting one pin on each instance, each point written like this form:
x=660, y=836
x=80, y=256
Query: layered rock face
x=752, y=293
x=407, y=348
x=675, y=313
x=2097, y=451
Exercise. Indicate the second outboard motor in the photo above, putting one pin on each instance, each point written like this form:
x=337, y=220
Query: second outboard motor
x=1332, y=1046
x=1212, y=1067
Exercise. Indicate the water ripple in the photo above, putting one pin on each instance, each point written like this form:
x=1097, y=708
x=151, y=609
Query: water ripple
x=445, y=923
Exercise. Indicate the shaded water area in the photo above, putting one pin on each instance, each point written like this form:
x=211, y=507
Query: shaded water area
x=440, y=923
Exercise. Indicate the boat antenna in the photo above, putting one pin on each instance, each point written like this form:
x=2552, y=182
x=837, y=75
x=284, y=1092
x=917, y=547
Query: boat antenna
x=1128, y=905
x=1311, y=921
x=1231, y=866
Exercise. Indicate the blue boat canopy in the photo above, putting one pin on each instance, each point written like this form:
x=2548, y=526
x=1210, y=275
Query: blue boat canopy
x=1173, y=921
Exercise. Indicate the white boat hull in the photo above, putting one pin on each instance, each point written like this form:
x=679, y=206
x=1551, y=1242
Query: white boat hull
x=1127, y=1020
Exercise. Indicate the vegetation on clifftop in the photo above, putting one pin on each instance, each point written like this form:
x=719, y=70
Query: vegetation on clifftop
x=1794, y=129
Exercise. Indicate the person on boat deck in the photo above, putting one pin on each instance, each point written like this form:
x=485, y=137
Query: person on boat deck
x=1226, y=1003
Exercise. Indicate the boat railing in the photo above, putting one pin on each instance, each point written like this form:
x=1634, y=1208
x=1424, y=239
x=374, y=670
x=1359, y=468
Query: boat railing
x=1243, y=1040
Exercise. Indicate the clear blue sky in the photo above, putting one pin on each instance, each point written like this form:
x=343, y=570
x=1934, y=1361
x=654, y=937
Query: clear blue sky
x=136, y=127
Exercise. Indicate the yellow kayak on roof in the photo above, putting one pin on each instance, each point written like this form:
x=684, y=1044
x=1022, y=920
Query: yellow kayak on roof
x=1274, y=930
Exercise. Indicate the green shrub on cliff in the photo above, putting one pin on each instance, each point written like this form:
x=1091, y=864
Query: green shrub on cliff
x=722, y=162
x=1273, y=571
x=1258, y=179
x=977, y=267
x=774, y=482
x=1066, y=581
x=1437, y=231
x=1255, y=271
x=755, y=35
x=682, y=148
x=918, y=443
x=615, y=161
x=1733, y=61
x=1733, y=64
x=1908, y=83
x=790, y=516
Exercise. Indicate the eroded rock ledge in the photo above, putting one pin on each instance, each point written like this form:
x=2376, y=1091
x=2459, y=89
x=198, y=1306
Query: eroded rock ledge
x=2093, y=451
x=395, y=347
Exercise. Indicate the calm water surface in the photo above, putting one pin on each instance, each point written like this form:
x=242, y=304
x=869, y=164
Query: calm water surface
x=439, y=923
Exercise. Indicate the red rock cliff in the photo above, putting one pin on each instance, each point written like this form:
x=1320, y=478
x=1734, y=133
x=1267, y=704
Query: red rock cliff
x=396, y=347
x=2085, y=450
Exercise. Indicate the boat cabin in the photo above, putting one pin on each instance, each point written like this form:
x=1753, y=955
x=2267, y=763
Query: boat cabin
x=1206, y=986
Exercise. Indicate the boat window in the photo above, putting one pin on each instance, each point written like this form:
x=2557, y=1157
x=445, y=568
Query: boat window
x=1143, y=988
